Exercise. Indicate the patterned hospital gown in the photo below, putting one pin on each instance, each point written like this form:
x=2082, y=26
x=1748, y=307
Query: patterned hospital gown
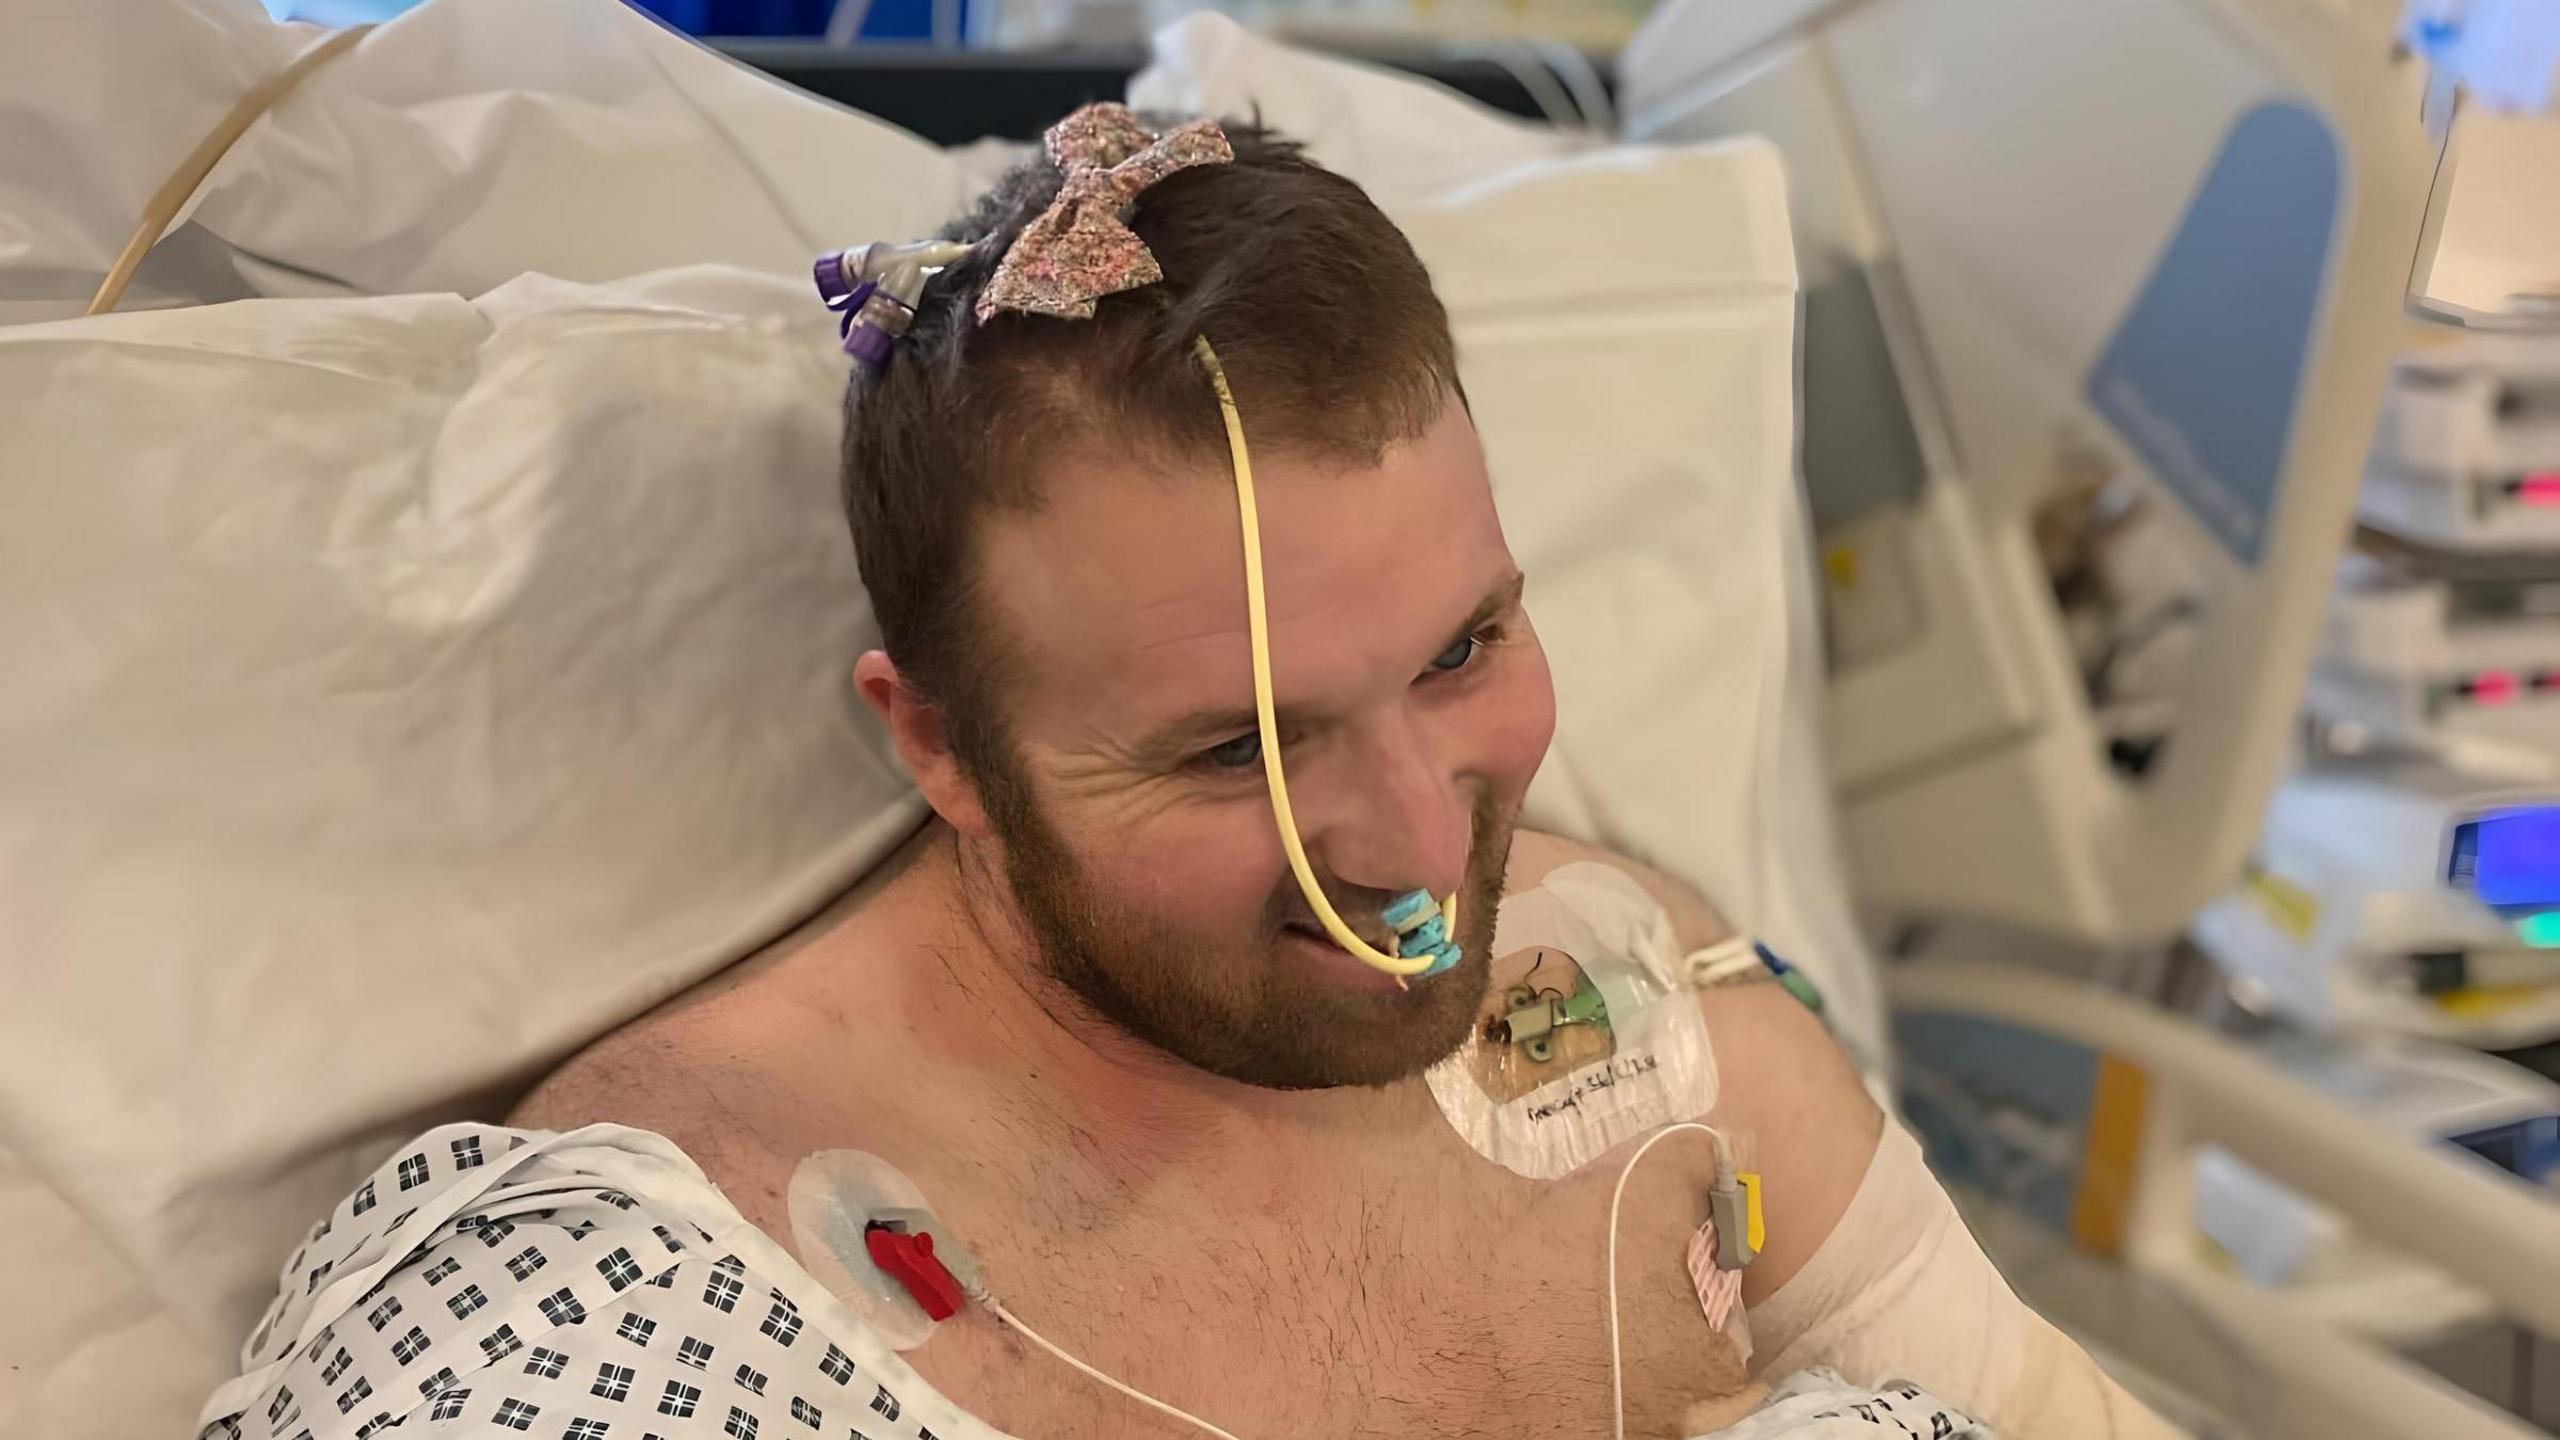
x=1818, y=1405
x=487, y=1283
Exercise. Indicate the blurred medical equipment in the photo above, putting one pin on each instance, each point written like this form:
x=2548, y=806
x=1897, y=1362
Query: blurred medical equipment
x=2451, y=655
x=2468, y=458
x=2404, y=897
x=2444, y=631
x=2090, y=1112
x=2058, y=251
x=2100, y=301
x=2351, y=916
x=2422, y=1095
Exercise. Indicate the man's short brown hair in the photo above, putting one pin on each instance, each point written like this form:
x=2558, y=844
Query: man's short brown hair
x=1323, y=318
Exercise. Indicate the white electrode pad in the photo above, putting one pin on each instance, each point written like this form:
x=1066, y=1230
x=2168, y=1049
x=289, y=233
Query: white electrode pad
x=834, y=1196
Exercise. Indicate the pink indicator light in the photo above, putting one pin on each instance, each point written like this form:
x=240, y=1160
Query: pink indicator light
x=2495, y=687
x=2540, y=488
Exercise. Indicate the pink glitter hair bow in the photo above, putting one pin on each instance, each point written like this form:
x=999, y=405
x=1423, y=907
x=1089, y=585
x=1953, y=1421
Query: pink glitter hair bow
x=1081, y=248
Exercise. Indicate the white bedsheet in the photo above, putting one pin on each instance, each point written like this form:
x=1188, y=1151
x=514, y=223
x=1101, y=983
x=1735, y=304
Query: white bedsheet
x=85, y=1347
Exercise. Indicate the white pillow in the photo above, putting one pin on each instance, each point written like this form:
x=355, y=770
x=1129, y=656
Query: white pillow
x=399, y=693
x=464, y=143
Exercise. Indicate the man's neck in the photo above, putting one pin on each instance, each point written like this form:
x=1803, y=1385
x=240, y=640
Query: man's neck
x=980, y=984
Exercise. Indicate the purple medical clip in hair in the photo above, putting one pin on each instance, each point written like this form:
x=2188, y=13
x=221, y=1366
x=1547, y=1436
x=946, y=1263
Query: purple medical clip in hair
x=846, y=299
x=873, y=290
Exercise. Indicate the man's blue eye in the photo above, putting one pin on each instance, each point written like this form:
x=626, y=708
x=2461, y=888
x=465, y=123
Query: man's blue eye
x=1456, y=656
x=1236, y=754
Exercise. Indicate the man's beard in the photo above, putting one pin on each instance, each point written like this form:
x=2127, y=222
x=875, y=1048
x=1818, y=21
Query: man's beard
x=1254, y=1014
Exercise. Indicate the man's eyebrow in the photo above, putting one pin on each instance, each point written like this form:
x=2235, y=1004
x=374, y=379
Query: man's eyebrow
x=1210, y=726
x=1499, y=601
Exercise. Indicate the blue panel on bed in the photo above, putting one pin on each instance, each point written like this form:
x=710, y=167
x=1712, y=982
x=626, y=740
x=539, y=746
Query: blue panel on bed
x=2003, y=1112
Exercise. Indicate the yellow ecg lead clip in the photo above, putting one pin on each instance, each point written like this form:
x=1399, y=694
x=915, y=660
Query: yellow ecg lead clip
x=1741, y=1226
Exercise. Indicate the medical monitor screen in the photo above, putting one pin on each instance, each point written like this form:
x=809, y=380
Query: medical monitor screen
x=2510, y=858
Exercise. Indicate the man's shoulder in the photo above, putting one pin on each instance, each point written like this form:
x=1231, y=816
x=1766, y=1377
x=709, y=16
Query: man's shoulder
x=726, y=1046
x=729, y=1111
x=777, y=1058
x=1786, y=1084
x=692, y=1071
x=644, y=1076
x=605, y=1081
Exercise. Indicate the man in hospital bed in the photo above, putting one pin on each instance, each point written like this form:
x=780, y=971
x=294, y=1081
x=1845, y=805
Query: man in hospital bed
x=1087, y=1019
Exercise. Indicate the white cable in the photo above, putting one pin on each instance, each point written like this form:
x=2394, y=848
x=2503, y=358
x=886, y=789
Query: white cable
x=996, y=1307
x=1526, y=67
x=1617, y=1368
x=1590, y=94
x=1722, y=963
x=1727, y=972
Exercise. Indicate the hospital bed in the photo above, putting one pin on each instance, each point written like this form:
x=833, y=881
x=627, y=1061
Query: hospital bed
x=385, y=719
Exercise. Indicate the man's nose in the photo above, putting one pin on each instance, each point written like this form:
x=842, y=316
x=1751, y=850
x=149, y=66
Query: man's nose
x=1402, y=819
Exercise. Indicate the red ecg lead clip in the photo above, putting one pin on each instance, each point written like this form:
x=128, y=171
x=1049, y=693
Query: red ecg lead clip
x=909, y=1260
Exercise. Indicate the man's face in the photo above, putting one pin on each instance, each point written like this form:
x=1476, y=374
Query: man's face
x=1414, y=705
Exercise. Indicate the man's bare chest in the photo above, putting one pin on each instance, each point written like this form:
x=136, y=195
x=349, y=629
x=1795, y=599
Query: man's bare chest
x=1438, y=1305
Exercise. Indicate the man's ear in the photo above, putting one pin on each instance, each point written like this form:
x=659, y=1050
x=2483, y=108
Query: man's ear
x=924, y=742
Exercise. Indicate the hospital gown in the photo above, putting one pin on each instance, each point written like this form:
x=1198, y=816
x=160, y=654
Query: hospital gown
x=594, y=1285
x=1818, y=1405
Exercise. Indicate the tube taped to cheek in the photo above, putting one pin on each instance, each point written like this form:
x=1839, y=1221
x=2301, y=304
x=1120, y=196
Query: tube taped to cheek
x=834, y=1195
x=1588, y=1036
